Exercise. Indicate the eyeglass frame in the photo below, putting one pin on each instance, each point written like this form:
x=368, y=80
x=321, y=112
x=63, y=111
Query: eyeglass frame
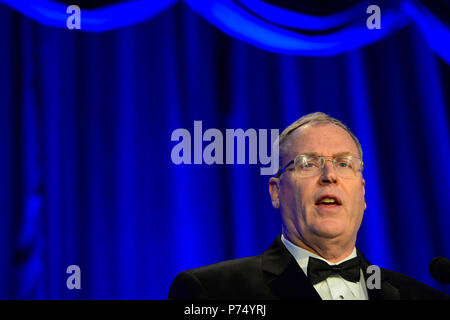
x=283, y=169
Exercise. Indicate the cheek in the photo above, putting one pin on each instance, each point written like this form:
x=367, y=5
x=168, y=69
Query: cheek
x=294, y=195
x=358, y=204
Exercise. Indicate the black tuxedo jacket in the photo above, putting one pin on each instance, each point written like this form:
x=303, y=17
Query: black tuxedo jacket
x=276, y=275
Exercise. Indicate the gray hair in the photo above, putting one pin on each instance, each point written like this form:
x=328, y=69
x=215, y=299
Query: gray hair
x=314, y=119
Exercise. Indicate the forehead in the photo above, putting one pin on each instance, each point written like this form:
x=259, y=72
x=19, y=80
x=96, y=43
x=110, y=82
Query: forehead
x=324, y=139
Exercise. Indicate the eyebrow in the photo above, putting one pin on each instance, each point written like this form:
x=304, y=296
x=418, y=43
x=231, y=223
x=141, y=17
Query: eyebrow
x=343, y=153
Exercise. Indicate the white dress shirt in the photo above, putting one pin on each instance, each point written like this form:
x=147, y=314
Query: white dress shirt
x=334, y=287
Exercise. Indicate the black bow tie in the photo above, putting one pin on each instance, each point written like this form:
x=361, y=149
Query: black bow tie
x=319, y=270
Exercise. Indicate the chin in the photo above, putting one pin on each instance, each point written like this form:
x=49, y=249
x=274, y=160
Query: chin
x=330, y=228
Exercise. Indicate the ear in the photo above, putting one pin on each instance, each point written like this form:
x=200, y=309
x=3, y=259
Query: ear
x=363, y=186
x=364, y=192
x=274, y=188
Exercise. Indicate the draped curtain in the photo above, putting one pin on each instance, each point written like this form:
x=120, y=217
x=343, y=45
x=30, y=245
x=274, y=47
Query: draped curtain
x=86, y=118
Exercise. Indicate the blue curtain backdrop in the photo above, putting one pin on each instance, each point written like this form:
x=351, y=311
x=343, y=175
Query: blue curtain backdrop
x=86, y=118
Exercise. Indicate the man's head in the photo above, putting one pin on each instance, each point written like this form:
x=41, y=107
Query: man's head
x=319, y=204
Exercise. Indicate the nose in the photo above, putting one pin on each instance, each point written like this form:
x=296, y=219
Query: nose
x=328, y=173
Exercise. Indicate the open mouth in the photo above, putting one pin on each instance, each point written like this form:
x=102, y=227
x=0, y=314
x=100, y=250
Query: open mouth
x=328, y=200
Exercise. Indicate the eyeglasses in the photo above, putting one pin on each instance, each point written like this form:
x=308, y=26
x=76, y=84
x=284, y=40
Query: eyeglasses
x=305, y=165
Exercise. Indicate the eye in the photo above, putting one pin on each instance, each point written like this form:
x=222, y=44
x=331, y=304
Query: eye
x=308, y=163
x=344, y=163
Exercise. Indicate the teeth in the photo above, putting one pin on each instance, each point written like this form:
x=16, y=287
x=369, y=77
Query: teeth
x=328, y=200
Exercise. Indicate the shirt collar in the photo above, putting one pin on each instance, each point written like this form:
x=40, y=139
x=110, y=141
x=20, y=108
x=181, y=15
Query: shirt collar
x=302, y=255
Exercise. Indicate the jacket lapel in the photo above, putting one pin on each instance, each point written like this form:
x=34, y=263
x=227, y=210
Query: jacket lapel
x=287, y=280
x=387, y=291
x=284, y=276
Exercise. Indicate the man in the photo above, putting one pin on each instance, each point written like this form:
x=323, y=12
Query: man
x=319, y=191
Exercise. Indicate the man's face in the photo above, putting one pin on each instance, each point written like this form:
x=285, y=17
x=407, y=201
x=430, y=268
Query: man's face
x=297, y=197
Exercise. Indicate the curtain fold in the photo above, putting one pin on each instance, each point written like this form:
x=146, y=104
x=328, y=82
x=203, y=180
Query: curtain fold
x=338, y=33
x=266, y=25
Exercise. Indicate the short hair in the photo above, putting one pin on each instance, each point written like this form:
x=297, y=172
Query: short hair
x=315, y=118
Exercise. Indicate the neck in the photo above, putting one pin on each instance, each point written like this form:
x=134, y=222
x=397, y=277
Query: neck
x=332, y=250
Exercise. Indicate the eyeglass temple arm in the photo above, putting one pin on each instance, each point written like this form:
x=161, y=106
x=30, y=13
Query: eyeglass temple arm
x=281, y=170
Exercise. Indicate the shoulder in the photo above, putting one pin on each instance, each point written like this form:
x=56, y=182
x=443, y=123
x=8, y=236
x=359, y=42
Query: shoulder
x=396, y=285
x=229, y=267
x=411, y=289
x=212, y=281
